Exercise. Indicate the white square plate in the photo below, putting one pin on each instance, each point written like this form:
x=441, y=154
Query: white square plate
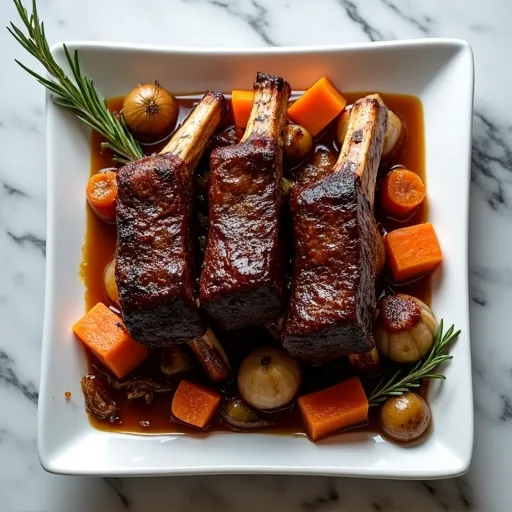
x=440, y=73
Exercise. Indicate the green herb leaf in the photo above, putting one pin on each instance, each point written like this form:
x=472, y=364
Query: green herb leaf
x=405, y=380
x=79, y=96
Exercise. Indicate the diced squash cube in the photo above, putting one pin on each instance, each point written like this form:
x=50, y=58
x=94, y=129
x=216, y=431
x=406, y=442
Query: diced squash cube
x=412, y=251
x=194, y=404
x=334, y=408
x=105, y=334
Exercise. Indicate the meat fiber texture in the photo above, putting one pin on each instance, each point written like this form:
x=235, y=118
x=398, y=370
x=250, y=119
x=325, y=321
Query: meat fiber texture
x=242, y=280
x=154, y=263
x=333, y=293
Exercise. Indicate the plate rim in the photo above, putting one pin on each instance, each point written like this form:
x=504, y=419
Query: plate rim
x=48, y=460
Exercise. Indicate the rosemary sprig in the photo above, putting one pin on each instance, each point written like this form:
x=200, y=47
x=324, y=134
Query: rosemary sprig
x=79, y=97
x=406, y=380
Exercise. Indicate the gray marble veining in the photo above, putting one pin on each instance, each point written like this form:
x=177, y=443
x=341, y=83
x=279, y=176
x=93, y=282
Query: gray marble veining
x=24, y=486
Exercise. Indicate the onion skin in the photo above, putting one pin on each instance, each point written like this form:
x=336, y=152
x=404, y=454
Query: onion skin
x=404, y=418
x=342, y=127
x=109, y=281
x=405, y=328
x=269, y=378
x=393, y=136
x=298, y=143
x=239, y=416
x=149, y=110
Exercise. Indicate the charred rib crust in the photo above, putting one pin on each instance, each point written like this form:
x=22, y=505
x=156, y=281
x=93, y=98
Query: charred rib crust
x=154, y=260
x=333, y=293
x=270, y=81
x=154, y=252
x=242, y=279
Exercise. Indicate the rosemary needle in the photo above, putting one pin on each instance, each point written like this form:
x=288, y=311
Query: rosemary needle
x=404, y=380
x=79, y=96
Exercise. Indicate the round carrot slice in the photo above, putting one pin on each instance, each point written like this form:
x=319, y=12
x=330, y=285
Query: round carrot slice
x=101, y=192
x=402, y=191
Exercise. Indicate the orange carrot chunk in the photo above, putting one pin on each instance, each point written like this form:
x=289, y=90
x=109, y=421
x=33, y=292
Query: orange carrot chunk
x=104, y=333
x=101, y=192
x=334, y=408
x=241, y=104
x=317, y=107
x=194, y=404
x=401, y=192
x=412, y=251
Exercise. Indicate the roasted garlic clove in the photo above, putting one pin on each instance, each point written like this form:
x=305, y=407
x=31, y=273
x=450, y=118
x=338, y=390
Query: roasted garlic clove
x=174, y=360
x=269, y=378
x=298, y=143
x=109, y=282
x=365, y=363
x=393, y=135
x=342, y=127
x=239, y=416
x=211, y=355
x=405, y=328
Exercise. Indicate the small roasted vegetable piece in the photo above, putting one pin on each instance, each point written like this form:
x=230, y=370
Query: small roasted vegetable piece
x=411, y=377
x=149, y=110
x=404, y=418
x=109, y=281
x=105, y=334
x=298, y=143
x=393, y=135
x=365, y=363
x=269, y=378
x=194, y=404
x=318, y=106
x=212, y=356
x=241, y=105
x=412, y=251
x=135, y=387
x=174, y=360
x=334, y=408
x=97, y=401
x=239, y=416
x=101, y=193
x=342, y=127
x=380, y=253
x=405, y=328
x=401, y=192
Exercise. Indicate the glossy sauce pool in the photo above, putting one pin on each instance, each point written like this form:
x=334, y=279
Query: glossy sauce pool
x=99, y=248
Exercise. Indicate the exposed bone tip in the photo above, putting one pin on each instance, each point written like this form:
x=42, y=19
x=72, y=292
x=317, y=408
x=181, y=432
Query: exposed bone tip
x=272, y=81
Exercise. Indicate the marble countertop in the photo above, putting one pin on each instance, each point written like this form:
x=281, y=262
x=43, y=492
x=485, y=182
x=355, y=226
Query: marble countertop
x=24, y=486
